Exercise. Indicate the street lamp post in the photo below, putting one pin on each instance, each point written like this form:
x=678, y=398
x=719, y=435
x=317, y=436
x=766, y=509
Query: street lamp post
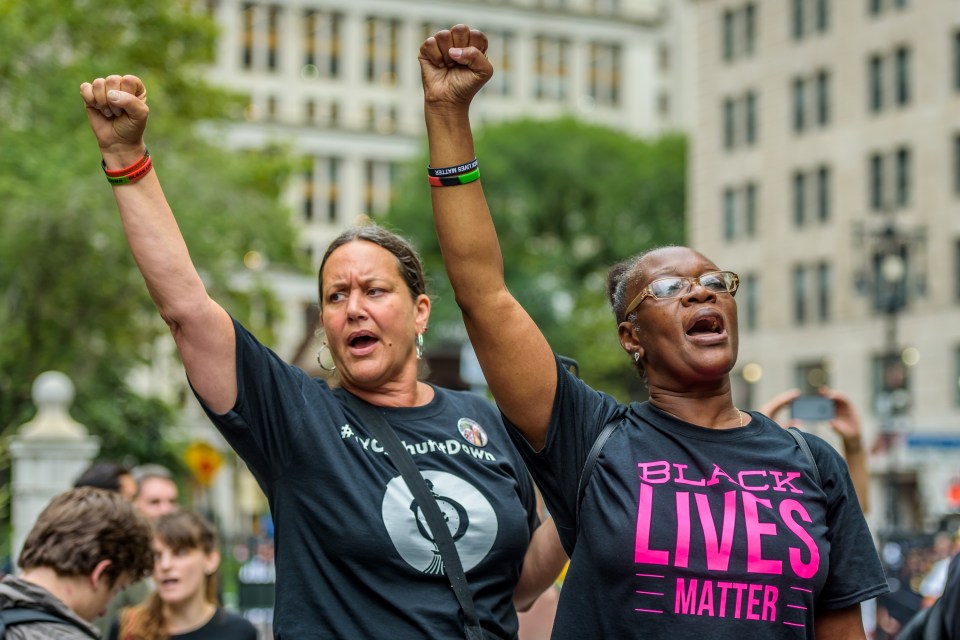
x=891, y=258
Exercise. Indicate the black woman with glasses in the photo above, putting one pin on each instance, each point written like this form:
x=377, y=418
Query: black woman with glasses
x=696, y=519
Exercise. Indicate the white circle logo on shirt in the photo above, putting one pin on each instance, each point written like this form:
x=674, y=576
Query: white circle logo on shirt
x=470, y=518
x=472, y=432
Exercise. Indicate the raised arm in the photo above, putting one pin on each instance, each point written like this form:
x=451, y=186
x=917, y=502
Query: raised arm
x=117, y=111
x=846, y=424
x=515, y=357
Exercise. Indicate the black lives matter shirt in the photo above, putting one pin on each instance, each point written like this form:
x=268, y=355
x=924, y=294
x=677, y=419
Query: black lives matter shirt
x=354, y=557
x=689, y=532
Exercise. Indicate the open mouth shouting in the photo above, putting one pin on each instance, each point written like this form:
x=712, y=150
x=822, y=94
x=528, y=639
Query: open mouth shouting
x=361, y=343
x=706, y=327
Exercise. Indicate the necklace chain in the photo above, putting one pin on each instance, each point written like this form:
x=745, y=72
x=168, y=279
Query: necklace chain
x=740, y=413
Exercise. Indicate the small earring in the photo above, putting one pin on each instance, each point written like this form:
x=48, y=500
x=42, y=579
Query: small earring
x=419, y=346
x=330, y=369
x=636, y=356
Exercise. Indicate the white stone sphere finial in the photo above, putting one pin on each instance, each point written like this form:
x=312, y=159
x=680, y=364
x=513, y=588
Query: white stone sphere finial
x=53, y=393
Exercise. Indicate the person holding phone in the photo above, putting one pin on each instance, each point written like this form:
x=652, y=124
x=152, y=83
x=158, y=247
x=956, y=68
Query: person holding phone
x=699, y=520
x=829, y=405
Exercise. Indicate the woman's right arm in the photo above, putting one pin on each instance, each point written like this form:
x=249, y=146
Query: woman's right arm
x=517, y=362
x=117, y=111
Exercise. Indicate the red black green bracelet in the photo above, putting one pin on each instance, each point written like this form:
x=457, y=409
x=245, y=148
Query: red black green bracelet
x=454, y=176
x=129, y=174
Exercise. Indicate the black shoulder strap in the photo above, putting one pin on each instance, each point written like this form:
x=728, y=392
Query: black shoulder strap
x=403, y=461
x=591, y=462
x=793, y=431
x=21, y=615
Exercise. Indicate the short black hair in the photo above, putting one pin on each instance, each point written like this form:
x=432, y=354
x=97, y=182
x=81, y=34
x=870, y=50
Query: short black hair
x=103, y=474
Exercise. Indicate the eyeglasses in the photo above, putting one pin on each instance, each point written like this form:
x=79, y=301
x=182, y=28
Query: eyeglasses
x=666, y=288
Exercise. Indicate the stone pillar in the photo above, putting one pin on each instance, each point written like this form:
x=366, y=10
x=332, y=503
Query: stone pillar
x=48, y=453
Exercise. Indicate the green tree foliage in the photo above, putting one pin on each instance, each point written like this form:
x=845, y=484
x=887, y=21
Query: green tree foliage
x=71, y=298
x=569, y=200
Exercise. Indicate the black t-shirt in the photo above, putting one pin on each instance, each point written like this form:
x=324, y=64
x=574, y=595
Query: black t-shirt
x=224, y=625
x=353, y=561
x=950, y=602
x=689, y=532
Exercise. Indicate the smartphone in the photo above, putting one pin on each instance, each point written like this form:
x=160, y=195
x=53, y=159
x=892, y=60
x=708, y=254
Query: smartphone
x=813, y=408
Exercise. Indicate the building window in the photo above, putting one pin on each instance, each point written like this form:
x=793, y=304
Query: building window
x=383, y=36
x=807, y=16
x=663, y=56
x=956, y=376
x=903, y=177
x=328, y=187
x=876, y=182
x=604, y=75
x=751, y=293
x=273, y=38
x=823, y=194
x=321, y=113
x=376, y=190
x=810, y=376
x=551, y=68
x=501, y=51
x=799, y=294
x=749, y=28
x=956, y=60
x=741, y=120
x=322, y=45
x=608, y=7
x=823, y=98
x=739, y=211
x=823, y=292
x=728, y=34
x=956, y=164
x=799, y=198
x=889, y=79
x=822, y=11
x=320, y=189
x=729, y=129
x=729, y=214
x=798, y=16
x=821, y=108
x=247, y=35
x=876, y=83
x=663, y=104
x=738, y=32
x=308, y=195
x=876, y=7
x=750, y=209
x=799, y=105
x=956, y=271
x=751, y=117
x=902, y=71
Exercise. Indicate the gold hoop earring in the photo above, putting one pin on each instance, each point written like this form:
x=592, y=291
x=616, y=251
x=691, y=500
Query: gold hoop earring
x=330, y=369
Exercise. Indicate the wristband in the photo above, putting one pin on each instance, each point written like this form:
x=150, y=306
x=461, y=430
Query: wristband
x=141, y=170
x=454, y=176
x=122, y=172
x=453, y=181
x=452, y=171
